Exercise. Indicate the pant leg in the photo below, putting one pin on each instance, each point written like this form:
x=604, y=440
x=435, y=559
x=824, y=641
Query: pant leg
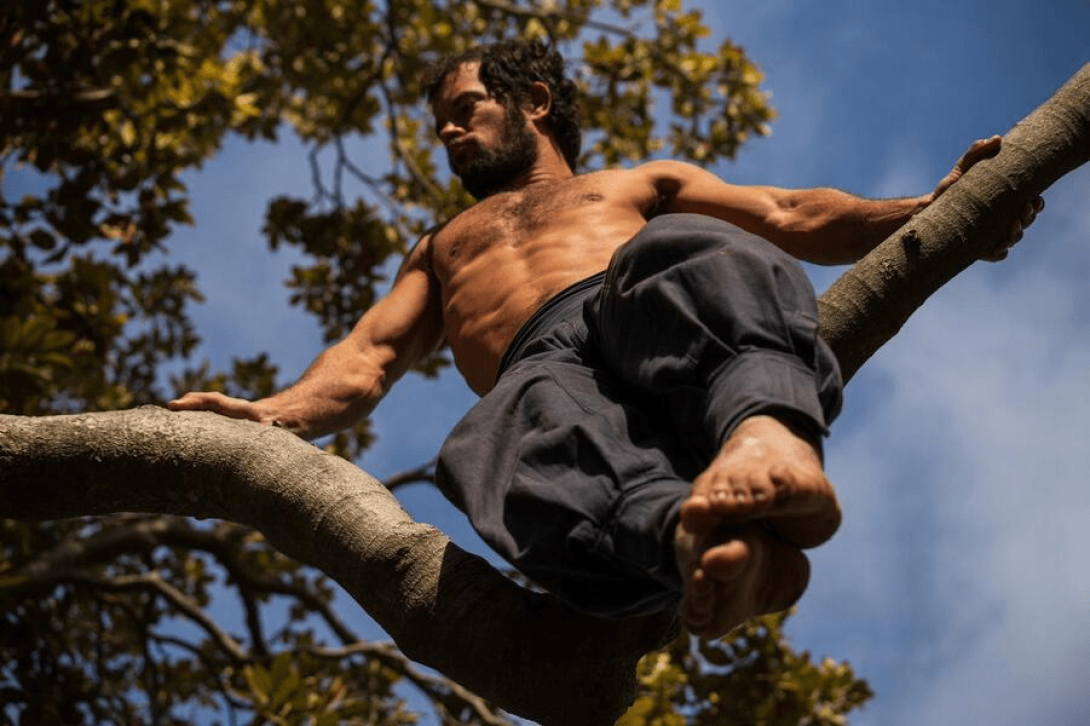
x=569, y=481
x=718, y=322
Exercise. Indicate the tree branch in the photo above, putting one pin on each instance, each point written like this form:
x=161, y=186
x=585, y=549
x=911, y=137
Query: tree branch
x=59, y=97
x=444, y=607
x=432, y=686
x=155, y=584
x=424, y=474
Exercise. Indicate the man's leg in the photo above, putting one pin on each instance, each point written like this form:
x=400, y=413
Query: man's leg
x=575, y=486
x=723, y=326
x=566, y=478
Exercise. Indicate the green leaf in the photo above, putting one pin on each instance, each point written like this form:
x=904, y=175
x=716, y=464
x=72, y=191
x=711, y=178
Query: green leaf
x=260, y=682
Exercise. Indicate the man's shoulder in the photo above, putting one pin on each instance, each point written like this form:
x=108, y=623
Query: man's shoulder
x=612, y=174
x=430, y=232
x=420, y=254
x=666, y=167
x=654, y=173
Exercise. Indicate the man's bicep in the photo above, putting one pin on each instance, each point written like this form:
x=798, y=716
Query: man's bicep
x=683, y=187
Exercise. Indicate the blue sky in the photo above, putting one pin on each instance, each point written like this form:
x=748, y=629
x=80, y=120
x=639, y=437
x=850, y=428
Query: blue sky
x=959, y=584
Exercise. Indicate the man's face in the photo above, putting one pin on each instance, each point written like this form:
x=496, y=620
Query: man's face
x=489, y=144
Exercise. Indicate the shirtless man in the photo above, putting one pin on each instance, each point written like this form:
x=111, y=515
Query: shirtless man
x=726, y=546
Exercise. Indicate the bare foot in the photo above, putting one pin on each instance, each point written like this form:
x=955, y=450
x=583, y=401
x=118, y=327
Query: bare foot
x=741, y=572
x=767, y=471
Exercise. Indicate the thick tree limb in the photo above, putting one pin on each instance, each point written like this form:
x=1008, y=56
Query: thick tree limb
x=869, y=303
x=446, y=608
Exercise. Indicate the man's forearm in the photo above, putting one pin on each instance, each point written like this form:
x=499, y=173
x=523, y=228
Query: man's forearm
x=830, y=227
x=337, y=390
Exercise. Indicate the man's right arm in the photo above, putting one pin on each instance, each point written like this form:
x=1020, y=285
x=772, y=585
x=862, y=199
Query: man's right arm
x=347, y=381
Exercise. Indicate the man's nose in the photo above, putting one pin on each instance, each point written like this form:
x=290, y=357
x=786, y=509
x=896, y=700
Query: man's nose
x=449, y=132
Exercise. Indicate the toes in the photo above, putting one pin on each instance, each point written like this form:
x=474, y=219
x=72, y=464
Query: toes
x=736, y=499
x=702, y=513
x=742, y=493
x=697, y=514
x=725, y=561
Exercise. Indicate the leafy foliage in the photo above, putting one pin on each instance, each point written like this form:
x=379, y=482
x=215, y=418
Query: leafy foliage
x=106, y=107
x=752, y=677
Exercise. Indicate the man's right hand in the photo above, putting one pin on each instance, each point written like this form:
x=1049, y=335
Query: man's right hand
x=221, y=404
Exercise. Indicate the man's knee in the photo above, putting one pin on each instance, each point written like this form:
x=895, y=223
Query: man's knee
x=727, y=251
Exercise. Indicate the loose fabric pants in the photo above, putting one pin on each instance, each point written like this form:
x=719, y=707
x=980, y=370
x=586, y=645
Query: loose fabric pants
x=619, y=391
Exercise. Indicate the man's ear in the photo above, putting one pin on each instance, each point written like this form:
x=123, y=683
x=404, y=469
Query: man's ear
x=539, y=103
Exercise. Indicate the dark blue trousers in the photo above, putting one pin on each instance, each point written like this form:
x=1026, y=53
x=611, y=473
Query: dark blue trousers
x=619, y=391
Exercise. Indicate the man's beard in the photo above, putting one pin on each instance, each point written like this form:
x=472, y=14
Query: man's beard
x=494, y=170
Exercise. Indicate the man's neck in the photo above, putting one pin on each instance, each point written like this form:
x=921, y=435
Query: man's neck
x=548, y=169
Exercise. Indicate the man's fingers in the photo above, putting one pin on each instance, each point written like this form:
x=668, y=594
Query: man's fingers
x=216, y=402
x=980, y=150
x=1017, y=229
x=1032, y=210
x=977, y=151
x=1028, y=216
x=193, y=401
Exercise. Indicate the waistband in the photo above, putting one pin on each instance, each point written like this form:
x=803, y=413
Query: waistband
x=556, y=308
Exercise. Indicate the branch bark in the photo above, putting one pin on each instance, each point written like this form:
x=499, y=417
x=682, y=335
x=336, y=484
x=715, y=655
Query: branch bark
x=444, y=607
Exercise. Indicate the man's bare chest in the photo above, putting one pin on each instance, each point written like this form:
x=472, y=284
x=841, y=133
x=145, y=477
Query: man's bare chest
x=512, y=220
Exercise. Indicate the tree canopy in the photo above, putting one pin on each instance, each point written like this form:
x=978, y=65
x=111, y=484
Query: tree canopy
x=105, y=105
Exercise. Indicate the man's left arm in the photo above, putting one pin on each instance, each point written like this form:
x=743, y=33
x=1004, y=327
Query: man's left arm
x=823, y=226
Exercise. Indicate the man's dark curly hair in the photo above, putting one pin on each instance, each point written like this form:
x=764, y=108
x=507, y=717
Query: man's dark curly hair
x=507, y=70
